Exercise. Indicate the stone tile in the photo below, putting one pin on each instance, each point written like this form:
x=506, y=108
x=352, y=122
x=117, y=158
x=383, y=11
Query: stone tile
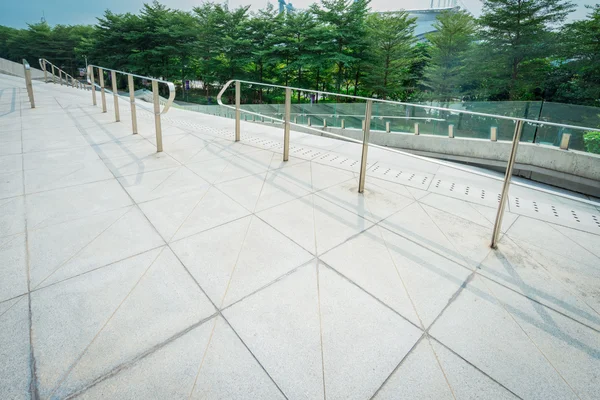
x=277, y=161
x=366, y=261
x=132, y=165
x=11, y=184
x=167, y=373
x=467, y=382
x=588, y=241
x=580, y=279
x=280, y=324
x=490, y=213
x=64, y=250
x=7, y=304
x=65, y=175
x=471, y=240
x=95, y=134
x=246, y=191
x=11, y=163
x=419, y=376
x=363, y=341
x=55, y=158
x=572, y=349
x=10, y=148
x=314, y=223
x=375, y=204
x=233, y=260
x=416, y=225
x=13, y=266
x=229, y=371
x=512, y=266
x=47, y=133
x=54, y=143
x=164, y=302
x=456, y=207
x=211, y=170
x=241, y=166
x=165, y=182
x=262, y=191
x=394, y=187
x=212, y=151
x=176, y=217
x=67, y=316
x=14, y=352
x=185, y=147
x=541, y=235
x=479, y=328
x=60, y=205
x=10, y=136
x=411, y=279
x=12, y=216
x=134, y=149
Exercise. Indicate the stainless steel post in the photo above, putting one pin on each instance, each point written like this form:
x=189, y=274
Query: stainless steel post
x=450, y=131
x=493, y=133
x=564, y=141
x=365, y=148
x=343, y=124
x=237, y=110
x=28, y=84
x=506, y=185
x=91, y=72
x=45, y=72
x=387, y=127
x=286, y=124
x=113, y=78
x=102, y=94
x=159, y=145
x=60, y=76
x=132, y=102
x=53, y=75
x=417, y=128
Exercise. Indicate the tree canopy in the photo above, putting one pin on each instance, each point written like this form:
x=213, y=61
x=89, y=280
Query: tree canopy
x=516, y=50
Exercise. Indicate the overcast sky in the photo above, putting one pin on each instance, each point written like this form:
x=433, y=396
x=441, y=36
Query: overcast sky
x=18, y=13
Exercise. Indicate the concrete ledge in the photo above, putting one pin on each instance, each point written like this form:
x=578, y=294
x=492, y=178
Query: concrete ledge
x=569, y=169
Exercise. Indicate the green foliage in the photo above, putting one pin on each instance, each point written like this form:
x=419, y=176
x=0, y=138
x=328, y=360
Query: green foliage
x=391, y=54
x=518, y=38
x=446, y=73
x=592, y=142
x=57, y=44
x=516, y=50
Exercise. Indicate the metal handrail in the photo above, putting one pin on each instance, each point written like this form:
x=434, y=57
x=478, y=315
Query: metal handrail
x=74, y=82
x=28, y=84
x=450, y=110
x=519, y=123
x=130, y=76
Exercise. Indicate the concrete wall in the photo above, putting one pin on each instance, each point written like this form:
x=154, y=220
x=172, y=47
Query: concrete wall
x=16, y=69
x=569, y=169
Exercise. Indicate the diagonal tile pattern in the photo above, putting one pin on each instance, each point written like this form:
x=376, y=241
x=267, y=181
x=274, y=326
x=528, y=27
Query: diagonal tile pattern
x=215, y=270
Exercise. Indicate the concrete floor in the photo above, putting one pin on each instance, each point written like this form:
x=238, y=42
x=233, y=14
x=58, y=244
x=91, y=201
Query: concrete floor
x=213, y=270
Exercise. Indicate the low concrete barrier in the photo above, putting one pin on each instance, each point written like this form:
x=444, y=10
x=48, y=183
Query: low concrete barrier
x=16, y=69
x=569, y=169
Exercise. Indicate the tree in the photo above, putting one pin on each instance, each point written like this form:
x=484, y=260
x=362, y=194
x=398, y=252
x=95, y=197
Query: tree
x=391, y=53
x=448, y=53
x=577, y=79
x=516, y=35
x=344, y=21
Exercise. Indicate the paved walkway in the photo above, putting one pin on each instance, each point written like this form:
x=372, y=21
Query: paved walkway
x=214, y=270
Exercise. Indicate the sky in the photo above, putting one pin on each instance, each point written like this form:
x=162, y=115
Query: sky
x=17, y=14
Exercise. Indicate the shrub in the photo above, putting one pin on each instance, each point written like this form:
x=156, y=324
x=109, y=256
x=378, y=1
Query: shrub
x=592, y=142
